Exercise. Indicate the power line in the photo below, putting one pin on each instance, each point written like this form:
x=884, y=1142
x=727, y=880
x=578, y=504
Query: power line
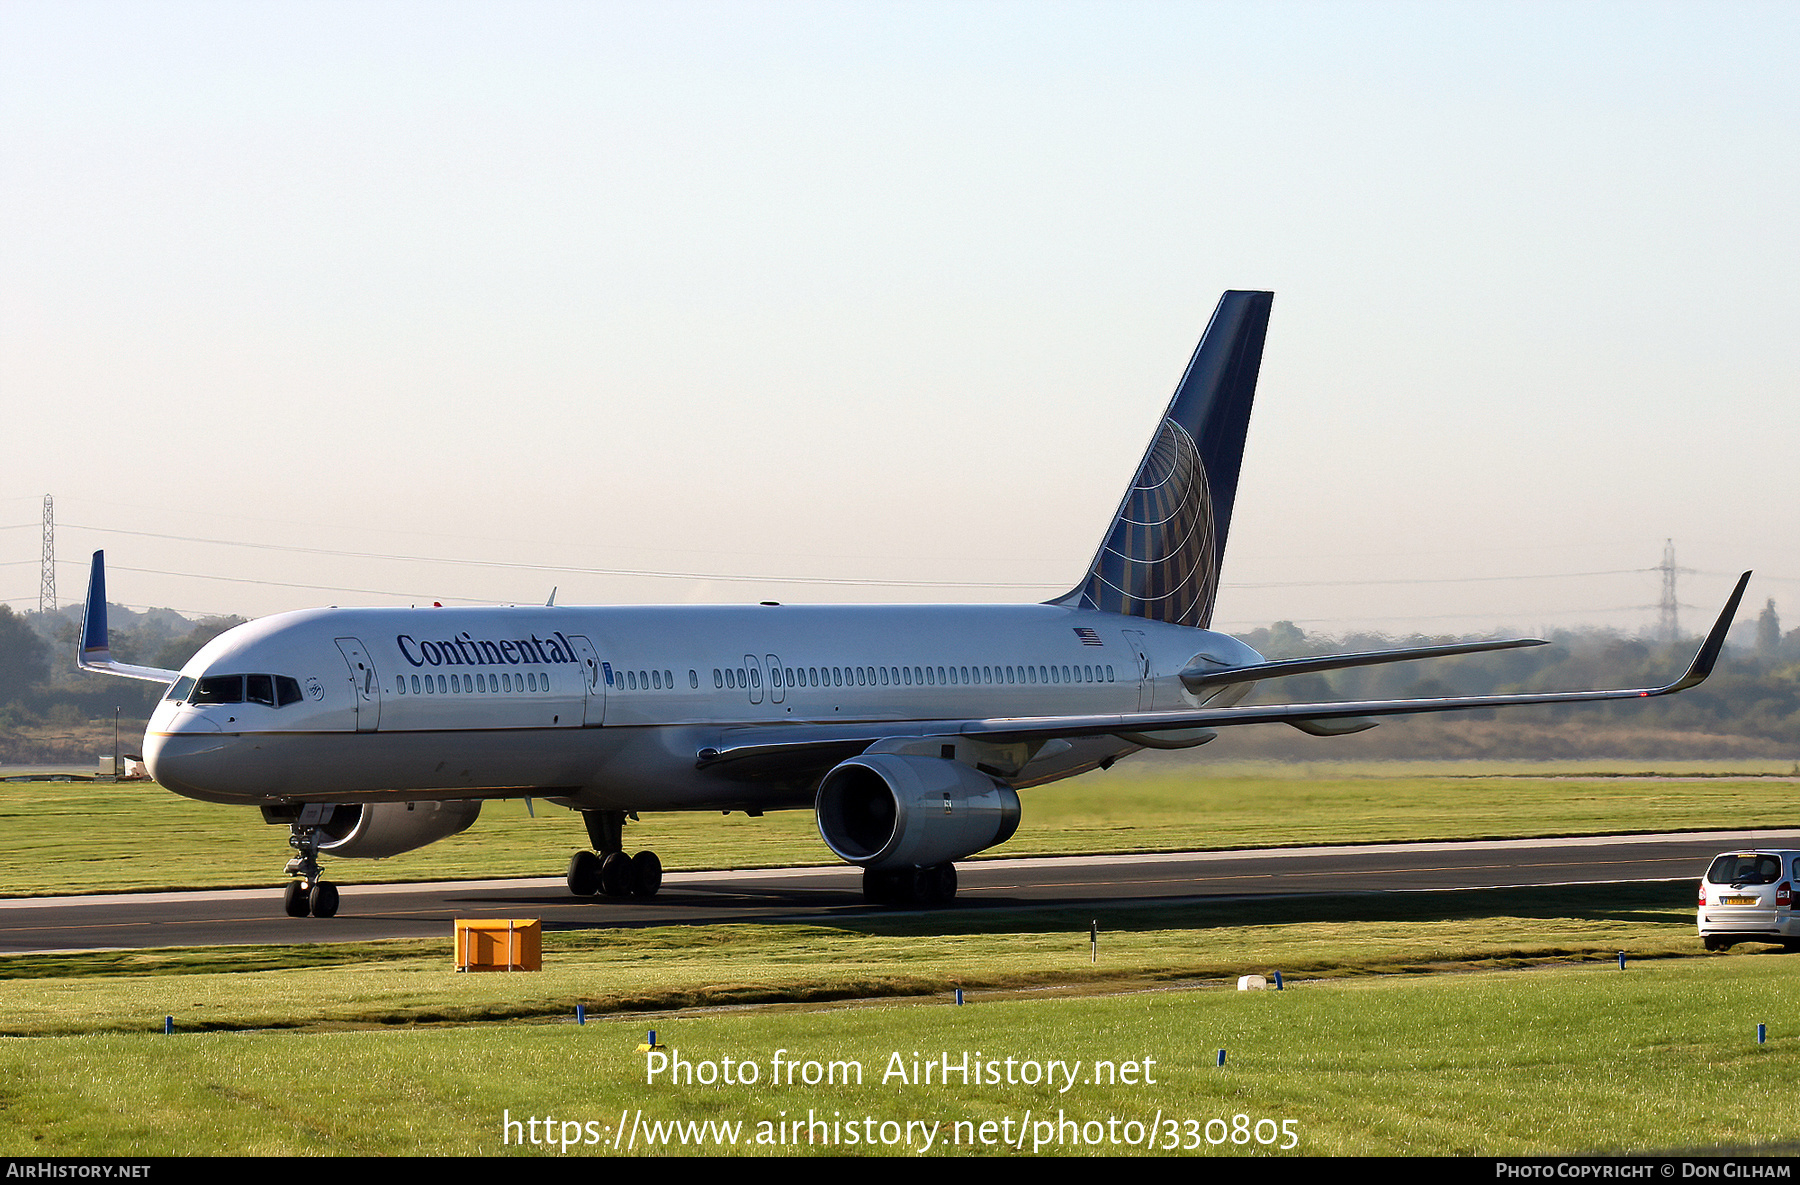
x=570, y=569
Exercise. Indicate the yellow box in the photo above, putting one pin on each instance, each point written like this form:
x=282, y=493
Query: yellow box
x=499, y=944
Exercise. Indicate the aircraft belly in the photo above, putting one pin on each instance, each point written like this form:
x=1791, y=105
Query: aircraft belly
x=593, y=768
x=347, y=767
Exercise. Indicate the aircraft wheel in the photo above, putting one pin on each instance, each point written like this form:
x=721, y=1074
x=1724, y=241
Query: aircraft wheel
x=584, y=874
x=881, y=886
x=943, y=884
x=293, y=900
x=615, y=874
x=324, y=900
x=646, y=874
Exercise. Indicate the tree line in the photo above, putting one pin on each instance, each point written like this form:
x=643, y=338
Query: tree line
x=1755, y=690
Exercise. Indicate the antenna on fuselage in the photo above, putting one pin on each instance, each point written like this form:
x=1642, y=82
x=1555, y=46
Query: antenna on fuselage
x=551, y=603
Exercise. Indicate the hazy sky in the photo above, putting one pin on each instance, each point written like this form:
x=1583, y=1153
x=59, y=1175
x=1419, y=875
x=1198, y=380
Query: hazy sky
x=894, y=294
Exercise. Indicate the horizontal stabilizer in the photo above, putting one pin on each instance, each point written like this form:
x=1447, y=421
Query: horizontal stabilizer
x=1195, y=678
x=95, y=653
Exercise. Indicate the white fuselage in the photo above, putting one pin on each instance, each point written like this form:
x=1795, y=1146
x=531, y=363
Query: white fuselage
x=608, y=708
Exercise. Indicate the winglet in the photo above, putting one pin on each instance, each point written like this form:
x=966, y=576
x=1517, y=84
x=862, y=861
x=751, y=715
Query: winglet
x=94, y=646
x=1702, y=665
x=95, y=652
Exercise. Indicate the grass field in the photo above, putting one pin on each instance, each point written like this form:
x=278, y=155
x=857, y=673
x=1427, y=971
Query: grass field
x=1570, y=1057
x=1492, y=1022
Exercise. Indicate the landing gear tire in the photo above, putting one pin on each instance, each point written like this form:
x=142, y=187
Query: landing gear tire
x=307, y=894
x=615, y=874
x=934, y=884
x=323, y=899
x=584, y=874
x=646, y=874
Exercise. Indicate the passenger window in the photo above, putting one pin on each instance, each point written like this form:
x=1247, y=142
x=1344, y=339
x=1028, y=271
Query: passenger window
x=693, y=679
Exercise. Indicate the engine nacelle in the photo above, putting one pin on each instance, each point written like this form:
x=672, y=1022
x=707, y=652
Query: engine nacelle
x=888, y=810
x=374, y=831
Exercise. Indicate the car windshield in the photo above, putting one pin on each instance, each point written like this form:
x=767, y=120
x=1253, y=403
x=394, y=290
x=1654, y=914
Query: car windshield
x=1751, y=869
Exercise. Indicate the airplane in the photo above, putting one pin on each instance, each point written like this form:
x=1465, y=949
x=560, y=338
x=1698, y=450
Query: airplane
x=907, y=729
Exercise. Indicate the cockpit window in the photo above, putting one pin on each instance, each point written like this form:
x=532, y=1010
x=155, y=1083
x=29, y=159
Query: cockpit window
x=275, y=691
x=220, y=689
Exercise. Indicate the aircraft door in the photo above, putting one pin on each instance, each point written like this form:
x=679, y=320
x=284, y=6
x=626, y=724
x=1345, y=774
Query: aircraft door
x=777, y=685
x=1135, y=639
x=753, y=669
x=364, y=683
x=593, y=685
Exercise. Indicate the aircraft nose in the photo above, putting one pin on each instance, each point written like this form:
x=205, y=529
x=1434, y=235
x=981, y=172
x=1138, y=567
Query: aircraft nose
x=190, y=761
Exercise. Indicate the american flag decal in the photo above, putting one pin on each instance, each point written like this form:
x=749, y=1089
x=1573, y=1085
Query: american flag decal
x=1088, y=637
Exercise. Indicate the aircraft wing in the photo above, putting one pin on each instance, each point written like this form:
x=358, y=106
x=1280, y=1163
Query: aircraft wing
x=95, y=653
x=763, y=752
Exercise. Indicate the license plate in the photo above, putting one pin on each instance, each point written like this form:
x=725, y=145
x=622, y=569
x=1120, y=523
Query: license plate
x=1740, y=901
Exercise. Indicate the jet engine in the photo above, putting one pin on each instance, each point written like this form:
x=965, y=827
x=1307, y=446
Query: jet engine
x=374, y=831
x=888, y=810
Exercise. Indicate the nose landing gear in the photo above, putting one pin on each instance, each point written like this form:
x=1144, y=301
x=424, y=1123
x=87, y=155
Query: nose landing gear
x=309, y=894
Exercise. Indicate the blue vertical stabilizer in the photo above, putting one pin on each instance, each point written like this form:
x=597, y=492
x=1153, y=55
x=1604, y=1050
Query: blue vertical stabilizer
x=1161, y=556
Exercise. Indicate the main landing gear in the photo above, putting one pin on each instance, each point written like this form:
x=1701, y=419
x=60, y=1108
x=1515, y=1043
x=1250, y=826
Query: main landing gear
x=934, y=884
x=607, y=870
x=309, y=894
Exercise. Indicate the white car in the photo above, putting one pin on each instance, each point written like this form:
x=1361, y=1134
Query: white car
x=1749, y=897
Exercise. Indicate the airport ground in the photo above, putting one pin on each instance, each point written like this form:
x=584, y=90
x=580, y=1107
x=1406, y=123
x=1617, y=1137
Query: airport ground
x=1483, y=1022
